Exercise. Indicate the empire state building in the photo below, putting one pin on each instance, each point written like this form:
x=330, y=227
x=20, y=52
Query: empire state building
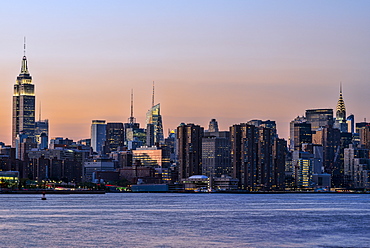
x=23, y=104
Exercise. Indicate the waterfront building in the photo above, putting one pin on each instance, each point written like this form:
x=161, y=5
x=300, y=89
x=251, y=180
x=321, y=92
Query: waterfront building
x=189, y=140
x=216, y=159
x=243, y=138
x=357, y=167
x=101, y=164
x=279, y=153
x=258, y=162
x=61, y=163
x=23, y=116
x=98, y=135
x=9, y=179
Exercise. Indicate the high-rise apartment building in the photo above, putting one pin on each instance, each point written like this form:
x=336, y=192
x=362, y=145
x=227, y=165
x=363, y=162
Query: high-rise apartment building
x=243, y=138
x=189, y=140
x=98, y=135
x=258, y=157
x=216, y=159
x=23, y=104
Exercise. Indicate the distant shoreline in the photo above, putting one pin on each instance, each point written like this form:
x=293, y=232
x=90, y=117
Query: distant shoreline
x=186, y=192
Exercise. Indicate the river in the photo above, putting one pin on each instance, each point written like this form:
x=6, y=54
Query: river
x=185, y=220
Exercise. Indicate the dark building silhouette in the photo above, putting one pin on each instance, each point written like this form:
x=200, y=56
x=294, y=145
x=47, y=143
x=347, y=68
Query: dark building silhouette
x=189, y=140
x=258, y=157
x=243, y=139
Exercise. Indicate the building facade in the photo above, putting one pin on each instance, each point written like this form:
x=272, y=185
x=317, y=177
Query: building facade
x=23, y=116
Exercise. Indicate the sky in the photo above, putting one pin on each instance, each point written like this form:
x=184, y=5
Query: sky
x=230, y=60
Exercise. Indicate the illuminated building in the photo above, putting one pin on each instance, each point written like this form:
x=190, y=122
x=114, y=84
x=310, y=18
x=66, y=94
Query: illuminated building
x=9, y=179
x=152, y=156
x=300, y=134
x=340, y=118
x=302, y=162
x=23, y=104
x=153, y=116
x=42, y=133
x=319, y=118
x=98, y=135
x=216, y=159
x=258, y=157
x=114, y=136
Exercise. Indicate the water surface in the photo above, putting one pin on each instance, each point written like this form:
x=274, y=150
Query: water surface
x=185, y=220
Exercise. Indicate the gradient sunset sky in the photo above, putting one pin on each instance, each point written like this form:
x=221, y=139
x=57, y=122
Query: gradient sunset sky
x=230, y=60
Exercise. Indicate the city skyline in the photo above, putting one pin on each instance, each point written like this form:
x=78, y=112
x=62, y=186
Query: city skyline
x=231, y=61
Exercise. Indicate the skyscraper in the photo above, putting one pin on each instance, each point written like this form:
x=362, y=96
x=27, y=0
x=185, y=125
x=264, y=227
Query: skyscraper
x=23, y=104
x=319, y=118
x=42, y=133
x=98, y=135
x=340, y=117
x=153, y=116
x=189, y=140
x=115, y=135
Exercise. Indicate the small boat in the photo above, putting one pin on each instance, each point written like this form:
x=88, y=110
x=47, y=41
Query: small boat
x=43, y=196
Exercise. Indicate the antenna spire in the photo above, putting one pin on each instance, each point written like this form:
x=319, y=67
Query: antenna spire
x=40, y=112
x=153, y=96
x=24, y=46
x=132, y=118
x=132, y=103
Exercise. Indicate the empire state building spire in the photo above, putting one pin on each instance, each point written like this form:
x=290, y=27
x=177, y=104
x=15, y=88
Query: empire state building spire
x=341, y=108
x=24, y=68
x=23, y=104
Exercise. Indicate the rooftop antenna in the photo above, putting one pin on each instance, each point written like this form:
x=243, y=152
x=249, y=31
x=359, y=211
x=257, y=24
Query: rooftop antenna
x=132, y=118
x=40, y=112
x=341, y=87
x=24, y=46
x=153, y=96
